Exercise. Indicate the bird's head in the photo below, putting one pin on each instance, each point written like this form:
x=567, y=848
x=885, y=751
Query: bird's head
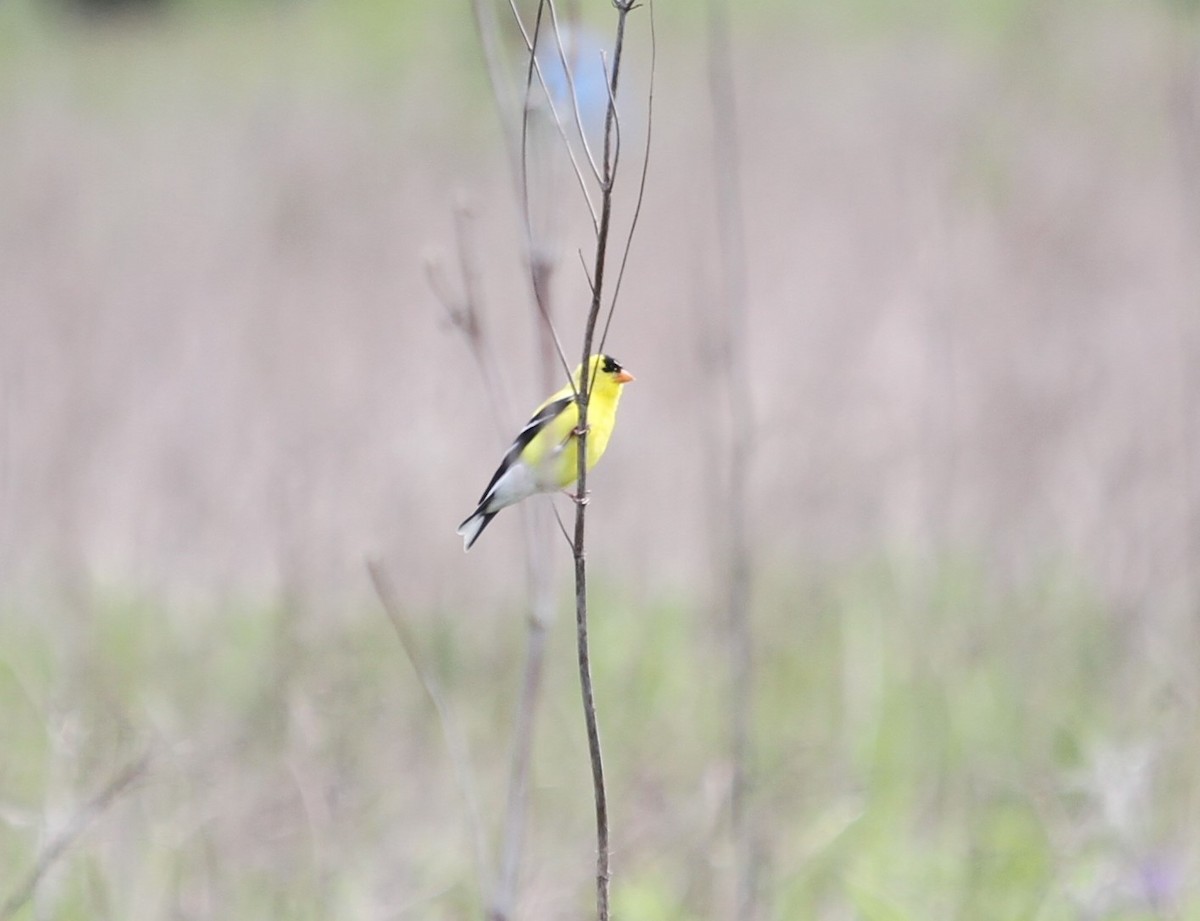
x=606, y=372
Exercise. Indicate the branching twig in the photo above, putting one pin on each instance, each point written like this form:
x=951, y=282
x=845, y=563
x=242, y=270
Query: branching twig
x=464, y=313
x=535, y=526
x=568, y=70
x=616, y=115
x=120, y=783
x=541, y=267
x=541, y=270
x=465, y=316
x=623, y=8
x=641, y=195
x=536, y=67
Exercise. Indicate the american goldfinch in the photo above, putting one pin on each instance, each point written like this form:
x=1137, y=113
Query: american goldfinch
x=543, y=457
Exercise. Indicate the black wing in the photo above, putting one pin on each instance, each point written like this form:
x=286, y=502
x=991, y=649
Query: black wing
x=539, y=421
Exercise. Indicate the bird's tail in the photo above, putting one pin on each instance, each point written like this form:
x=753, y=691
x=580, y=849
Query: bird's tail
x=473, y=527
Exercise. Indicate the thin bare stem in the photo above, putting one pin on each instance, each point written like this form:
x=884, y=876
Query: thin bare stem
x=567, y=69
x=604, y=174
x=558, y=122
x=541, y=264
x=452, y=734
x=537, y=540
x=121, y=783
x=562, y=527
x=538, y=267
x=586, y=273
x=540, y=279
x=581, y=610
x=641, y=196
x=616, y=119
x=525, y=107
x=544, y=313
x=518, y=785
x=464, y=313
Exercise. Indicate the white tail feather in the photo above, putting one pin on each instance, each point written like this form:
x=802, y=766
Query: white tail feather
x=469, y=529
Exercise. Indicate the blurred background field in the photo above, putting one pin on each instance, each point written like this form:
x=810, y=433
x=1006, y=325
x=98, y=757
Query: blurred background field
x=973, y=234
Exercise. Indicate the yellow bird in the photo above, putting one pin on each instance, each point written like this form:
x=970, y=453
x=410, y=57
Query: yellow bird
x=544, y=457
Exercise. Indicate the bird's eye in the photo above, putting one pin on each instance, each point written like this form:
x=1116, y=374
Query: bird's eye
x=611, y=365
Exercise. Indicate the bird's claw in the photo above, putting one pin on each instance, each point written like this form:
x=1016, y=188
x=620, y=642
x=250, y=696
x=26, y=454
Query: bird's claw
x=578, y=499
x=581, y=430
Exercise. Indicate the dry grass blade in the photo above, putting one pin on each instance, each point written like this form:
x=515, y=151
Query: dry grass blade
x=112, y=791
x=456, y=745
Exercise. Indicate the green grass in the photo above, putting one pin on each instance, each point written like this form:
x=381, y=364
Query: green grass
x=926, y=746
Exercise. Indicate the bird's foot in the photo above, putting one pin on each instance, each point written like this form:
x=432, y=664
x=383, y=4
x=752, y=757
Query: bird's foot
x=581, y=430
x=576, y=498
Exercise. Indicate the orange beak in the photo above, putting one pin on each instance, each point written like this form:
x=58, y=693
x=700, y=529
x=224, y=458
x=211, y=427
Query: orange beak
x=624, y=377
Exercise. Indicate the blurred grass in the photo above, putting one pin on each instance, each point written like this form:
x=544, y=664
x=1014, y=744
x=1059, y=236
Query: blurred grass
x=927, y=746
x=315, y=42
x=382, y=36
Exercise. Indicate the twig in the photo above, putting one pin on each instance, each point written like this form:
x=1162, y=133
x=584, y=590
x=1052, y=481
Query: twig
x=540, y=273
x=562, y=527
x=570, y=75
x=616, y=114
x=541, y=269
x=464, y=313
x=456, y=745
x=641, y=196
x=538, y=265
x=535, y=67
x=731, y=236
x=587, y=275
x=518, y=785
x=623, y=8
x=120, y=783
x=525, y=107
x=542, y=266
